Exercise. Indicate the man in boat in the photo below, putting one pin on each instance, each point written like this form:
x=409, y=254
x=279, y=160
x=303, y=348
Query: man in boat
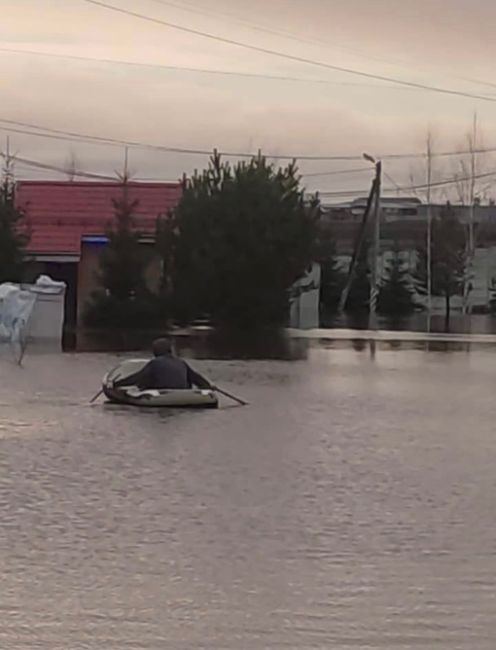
x=165, y=371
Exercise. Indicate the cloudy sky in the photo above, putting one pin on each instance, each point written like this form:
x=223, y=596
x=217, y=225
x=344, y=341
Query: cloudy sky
x=309, y=110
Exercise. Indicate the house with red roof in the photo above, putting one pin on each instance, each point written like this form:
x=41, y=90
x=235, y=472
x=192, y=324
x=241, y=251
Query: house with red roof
x=68, y=221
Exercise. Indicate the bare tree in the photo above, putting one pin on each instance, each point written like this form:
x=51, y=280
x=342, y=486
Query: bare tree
x=471, y=192
x=8, y=165
x=470, y=164
x=429, y=144
x=428, y=172
x=71, y=165
x=127, y=173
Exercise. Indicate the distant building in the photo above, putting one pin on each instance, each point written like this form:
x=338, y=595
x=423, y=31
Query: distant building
x=404, y=223
x=391, y=208
x=68, y=221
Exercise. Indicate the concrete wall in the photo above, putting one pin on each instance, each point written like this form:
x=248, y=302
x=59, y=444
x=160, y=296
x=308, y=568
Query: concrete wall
x=47, y=320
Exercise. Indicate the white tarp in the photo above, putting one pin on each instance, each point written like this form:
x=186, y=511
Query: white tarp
x=17, y=303
x=16, y=307
x=46, y=285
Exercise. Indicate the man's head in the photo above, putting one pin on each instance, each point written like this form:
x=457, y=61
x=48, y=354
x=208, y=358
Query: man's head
x=161, y=347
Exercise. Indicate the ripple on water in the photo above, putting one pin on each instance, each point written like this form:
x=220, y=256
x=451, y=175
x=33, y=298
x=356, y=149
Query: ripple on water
x=350, y=506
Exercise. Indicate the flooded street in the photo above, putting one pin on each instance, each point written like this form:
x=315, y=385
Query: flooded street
x=351, y=505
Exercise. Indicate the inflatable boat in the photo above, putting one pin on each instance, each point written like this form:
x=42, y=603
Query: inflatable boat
x=133, y=396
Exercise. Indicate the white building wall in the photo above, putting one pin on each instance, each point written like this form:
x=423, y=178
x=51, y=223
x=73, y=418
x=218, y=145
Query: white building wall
x=304, y=312
x=483, y=277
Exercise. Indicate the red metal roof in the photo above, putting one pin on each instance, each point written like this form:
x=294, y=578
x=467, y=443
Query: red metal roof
x=61, y=213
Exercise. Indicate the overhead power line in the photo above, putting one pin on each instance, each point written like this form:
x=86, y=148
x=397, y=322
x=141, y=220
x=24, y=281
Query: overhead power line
x=450, y=181
x=301, y=39
x=85, y=174
x=39, y=165
x=337, y=172
x=268, y=30
x=397, y=188
x=289, y=57
x=177, y=68
x=74, y=136
x=225, y=73
x=71, y=136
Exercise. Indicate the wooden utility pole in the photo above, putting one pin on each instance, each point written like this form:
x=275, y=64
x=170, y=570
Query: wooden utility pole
x=429, y=231
x=471, y=240
x=473, y=172
x=359, y=241
x=376, y=249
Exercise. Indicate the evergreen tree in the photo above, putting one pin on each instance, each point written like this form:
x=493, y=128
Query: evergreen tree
x=123, y=300
x=164, y=247
x=492, y=299
x=14, y=235
x=359, y=295
x=396, y=293
x=243, y=235
x=332, y=276
x=448, y=259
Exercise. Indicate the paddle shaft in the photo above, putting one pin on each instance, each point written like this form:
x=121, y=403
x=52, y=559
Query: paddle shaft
x=100, y=392
x=95, y=397
x=233, y=397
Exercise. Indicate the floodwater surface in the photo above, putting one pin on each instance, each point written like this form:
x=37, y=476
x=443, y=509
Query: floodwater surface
x=351, y=505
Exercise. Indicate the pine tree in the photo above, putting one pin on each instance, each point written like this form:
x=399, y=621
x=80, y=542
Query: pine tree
x=123, y=300
x=332, y=283
x=448, y=259
x=332, y=275
x=359, y=295
x=492, y=299
x=164, y=247
x=165, y=240
x=396, y=293
x=244, y=234
x=14, y=235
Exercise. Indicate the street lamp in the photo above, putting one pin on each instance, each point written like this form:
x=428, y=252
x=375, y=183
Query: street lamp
x=369, y=158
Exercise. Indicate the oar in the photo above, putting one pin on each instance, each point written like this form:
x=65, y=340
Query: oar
x=233, y=397
x=93, y=399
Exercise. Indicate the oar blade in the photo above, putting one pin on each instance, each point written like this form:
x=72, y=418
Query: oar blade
x=231, y=396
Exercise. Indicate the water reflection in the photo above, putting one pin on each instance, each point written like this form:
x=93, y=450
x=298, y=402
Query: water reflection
x=351, y=505
x=418, y=322
x=203, y=344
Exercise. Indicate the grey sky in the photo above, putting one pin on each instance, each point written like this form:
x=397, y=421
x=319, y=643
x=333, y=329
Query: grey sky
x=449, y=43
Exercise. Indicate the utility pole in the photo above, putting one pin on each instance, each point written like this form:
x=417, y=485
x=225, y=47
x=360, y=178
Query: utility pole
x=429, y=231
x=471, y=240
x=358, y=246
x=374, y=279
x=473, y=171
